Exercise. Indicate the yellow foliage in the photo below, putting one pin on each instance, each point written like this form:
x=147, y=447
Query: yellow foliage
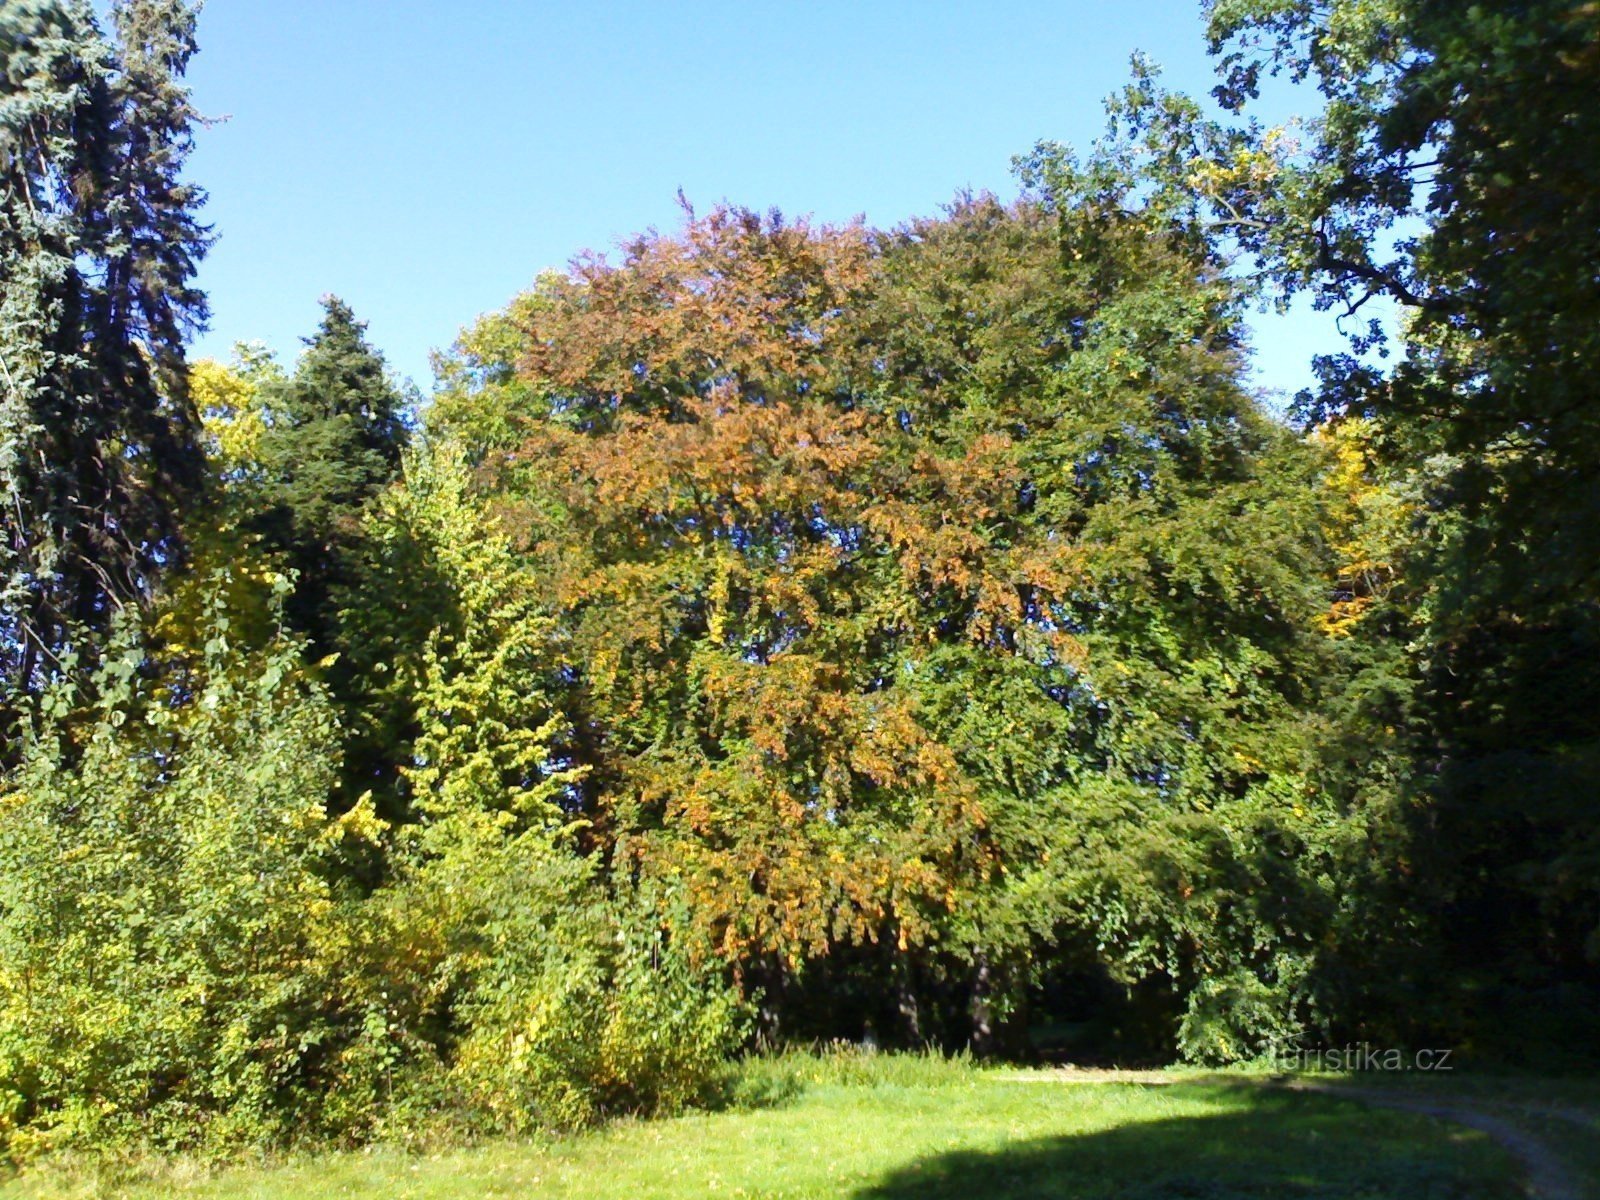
x=1362, y=524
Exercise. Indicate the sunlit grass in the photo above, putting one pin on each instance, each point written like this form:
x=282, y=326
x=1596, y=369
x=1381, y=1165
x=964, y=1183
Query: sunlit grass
x=907, y=1127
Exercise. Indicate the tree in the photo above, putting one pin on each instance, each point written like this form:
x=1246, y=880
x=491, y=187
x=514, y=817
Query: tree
x=335, y=432
x=332, y=438
x=229, y=399
x=1077, y=376
x=1453, y=170
x=738, y=712
x=98, y=244
x=480, y=401
x=935, y=603
x=458, y=655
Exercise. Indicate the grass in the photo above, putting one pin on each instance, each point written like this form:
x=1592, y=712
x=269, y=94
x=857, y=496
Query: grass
x=898, y=1129
x=1563, y=1113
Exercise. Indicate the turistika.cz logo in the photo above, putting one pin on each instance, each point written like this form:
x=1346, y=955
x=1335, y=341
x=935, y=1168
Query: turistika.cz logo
x=1361, y=1056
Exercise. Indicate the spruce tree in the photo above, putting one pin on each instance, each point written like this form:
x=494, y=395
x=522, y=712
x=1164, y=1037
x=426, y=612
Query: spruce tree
x=98, y=245
x=336, y=430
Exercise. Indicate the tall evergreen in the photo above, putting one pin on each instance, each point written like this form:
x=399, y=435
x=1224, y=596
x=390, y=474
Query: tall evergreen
x=99, y=240
x=337, y=428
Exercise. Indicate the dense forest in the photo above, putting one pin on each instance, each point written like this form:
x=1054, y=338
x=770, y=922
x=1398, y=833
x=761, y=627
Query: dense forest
x=773, y=631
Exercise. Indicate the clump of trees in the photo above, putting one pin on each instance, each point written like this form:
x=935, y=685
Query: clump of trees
x=779, y=631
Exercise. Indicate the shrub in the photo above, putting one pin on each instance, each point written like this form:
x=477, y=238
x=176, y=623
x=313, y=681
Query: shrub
x=186, y=964
x=165, y=879
x=1237, y=1018
x=572, y=1004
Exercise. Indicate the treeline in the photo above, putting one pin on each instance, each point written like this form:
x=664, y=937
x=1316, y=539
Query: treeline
x=778, y=631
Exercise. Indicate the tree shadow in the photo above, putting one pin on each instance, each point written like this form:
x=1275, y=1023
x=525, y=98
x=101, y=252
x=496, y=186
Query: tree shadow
x=1278, y=1146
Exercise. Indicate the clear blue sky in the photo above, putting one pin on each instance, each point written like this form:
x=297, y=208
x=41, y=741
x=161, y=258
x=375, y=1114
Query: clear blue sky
x=425, y=160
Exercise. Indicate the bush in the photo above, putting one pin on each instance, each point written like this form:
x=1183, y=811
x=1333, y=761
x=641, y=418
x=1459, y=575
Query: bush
x=186, y=962
x=572, y=1004
x=164, y=885
x=1237, y=1018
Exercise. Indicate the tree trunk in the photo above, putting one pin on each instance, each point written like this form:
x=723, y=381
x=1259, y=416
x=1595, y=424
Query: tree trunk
x=980, y=1006
x=908, y=1006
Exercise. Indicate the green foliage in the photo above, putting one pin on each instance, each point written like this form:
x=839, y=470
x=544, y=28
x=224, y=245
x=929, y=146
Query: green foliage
x=578, y=1005
x=1453, y=171
x=568, y=994
x=1235, y=1019
x=183, y=962
x=809, y=630
x=230, y=400
x=479, y=396
x=331, y=438
x=335, y=430
x=449, y=621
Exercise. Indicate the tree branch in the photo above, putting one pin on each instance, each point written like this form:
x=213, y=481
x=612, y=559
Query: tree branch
x=1381, y=280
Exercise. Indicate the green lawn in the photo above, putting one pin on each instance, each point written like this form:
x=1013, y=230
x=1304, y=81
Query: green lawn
x=927, y=1134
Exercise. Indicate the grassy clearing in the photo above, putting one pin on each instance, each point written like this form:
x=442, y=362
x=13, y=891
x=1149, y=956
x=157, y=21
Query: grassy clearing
x=902, y=1128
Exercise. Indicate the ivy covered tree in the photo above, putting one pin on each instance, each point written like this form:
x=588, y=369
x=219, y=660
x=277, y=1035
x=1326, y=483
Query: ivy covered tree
x=99, y=239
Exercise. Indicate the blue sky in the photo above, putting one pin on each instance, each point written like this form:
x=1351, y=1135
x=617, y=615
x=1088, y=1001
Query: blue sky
x=425, y=160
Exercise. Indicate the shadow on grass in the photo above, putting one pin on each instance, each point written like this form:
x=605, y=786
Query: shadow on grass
x=775, y=1081
x=1275, y=1146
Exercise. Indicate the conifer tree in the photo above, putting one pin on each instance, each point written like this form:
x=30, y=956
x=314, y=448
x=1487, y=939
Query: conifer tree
x=333, y=434
x=336, y=429
x=99, y=240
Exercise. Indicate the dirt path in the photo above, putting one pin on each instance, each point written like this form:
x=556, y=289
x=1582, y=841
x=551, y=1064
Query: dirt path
x=1548, y=1177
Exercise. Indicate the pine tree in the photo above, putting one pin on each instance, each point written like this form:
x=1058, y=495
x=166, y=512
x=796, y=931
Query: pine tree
x=98, y=246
